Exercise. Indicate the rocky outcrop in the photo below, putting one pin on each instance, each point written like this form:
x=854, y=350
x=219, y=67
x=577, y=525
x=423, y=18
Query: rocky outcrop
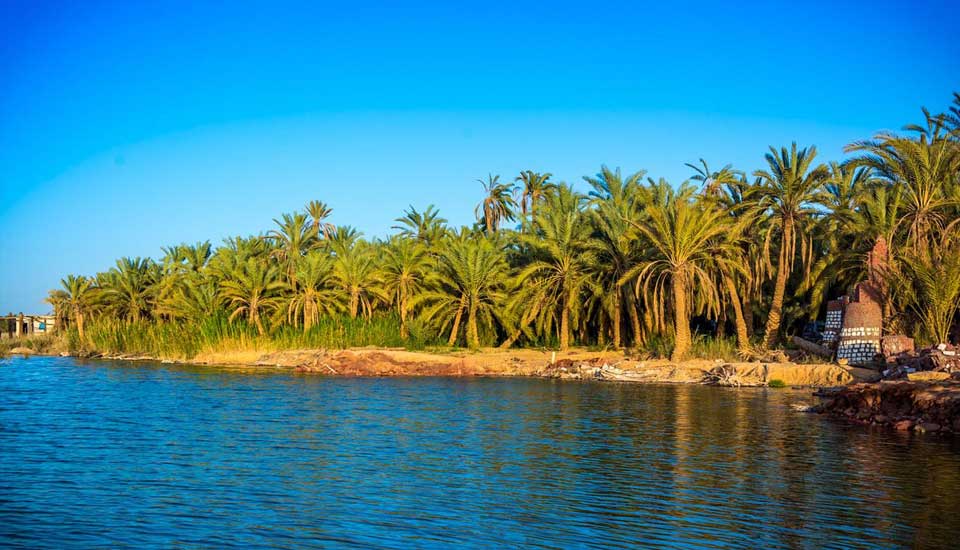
x=929, y=406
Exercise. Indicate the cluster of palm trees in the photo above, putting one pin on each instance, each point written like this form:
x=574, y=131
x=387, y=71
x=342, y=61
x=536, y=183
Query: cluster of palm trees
x=630, y=260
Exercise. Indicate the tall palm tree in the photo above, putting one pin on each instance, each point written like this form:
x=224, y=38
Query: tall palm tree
x=712, y=182
x=560, y=244
x=426, y=226
x=926, y=284
x=315, y=293
x=195, y=299
x=129, y=289
x=406, y=266
x=787, y=191
x=74, y=300
x=616, y=202
x=318, y=212
x=533, y=188
x=472, y=281
x=293, y=238
x=253, y=290
x=685, y=237
x=926, y=167
x=497, y=205
x=358, y=276
x=838, y=239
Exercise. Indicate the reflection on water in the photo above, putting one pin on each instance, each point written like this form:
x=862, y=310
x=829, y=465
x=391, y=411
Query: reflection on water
x=98, y=453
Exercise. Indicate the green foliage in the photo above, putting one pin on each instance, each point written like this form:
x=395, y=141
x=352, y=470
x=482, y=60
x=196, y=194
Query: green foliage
x=187, y=339
x=776, y=383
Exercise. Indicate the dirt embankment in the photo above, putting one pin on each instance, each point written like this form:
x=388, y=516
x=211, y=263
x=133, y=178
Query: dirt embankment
x=574, y=364
x=904, y=405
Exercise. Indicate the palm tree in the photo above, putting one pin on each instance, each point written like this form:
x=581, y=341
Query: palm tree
x=253, y=290
x=357, y=275
x=498, y=204
x=787, y=192
x=926, y=284
x=315, y=293
x=292, y=240
x=472, y=281
x=426, y=226
x=129, y=289
x=685, y=237
x=74, y=300
x=617, y=201
x=319, y=211
x=534, y=188
x=555, y=282
x=712, y=183
x=926, y=168
x=406, y=265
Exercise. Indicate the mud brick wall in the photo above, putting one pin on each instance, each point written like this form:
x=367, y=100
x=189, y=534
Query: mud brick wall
x=862, y=327
x=834, y=322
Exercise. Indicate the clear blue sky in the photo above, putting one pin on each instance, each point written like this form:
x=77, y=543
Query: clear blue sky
x=126, y=126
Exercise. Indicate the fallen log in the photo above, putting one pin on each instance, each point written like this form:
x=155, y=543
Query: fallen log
x=810, y=347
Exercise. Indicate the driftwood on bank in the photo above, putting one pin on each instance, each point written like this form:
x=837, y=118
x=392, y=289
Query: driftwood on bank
x=810, y=347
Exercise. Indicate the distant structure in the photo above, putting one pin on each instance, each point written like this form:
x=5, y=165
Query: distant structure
x=20, y=325
x=854, y=326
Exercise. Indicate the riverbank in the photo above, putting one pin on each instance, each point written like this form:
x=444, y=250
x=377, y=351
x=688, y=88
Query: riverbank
x=575, y=364
x=905, y=405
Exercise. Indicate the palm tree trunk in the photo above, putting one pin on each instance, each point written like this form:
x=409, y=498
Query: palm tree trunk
x=354, y=303
x=743, y=339
x=472, y=333
x=565, y=325
x=634, y=320
x=776, y=308
x=79, y=315
x=680, y=317
x=524, y=321
x=617, y=314
x=403, y=315
x=255, y=319
x=748, y=311
x=456, y=321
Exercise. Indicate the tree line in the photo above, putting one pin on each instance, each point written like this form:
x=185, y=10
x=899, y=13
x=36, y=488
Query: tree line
x=632, y=259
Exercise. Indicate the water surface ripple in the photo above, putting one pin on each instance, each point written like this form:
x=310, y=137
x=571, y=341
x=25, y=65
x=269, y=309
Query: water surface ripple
x=111, y=454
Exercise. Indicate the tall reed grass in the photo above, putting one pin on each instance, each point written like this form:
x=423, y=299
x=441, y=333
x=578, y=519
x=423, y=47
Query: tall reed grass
x=185, y=340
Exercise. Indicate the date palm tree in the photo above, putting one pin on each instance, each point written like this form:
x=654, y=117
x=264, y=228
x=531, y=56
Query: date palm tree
x=74, y=300
x=617, y=201
x=253, y=291
x=195, y=299
x=533, y=188
x=358, y=276
x=926, y=285
x=497, y=205
x=684, y=237
x=129, y=288
x=558, y=277
x=787, y=191
x=318, y=212
x=315, y=293
x=406, y=267
x=472, y=282
x=925, y=166
x=426, y=226
x=713, y=182
x=292, y=239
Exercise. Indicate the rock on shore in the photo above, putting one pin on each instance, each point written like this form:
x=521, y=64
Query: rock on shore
x=928, y=406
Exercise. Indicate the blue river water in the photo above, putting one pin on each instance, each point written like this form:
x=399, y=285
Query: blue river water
x=113, y=454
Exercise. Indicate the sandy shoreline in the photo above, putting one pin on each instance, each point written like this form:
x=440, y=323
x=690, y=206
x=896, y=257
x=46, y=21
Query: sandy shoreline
x=573, y=364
